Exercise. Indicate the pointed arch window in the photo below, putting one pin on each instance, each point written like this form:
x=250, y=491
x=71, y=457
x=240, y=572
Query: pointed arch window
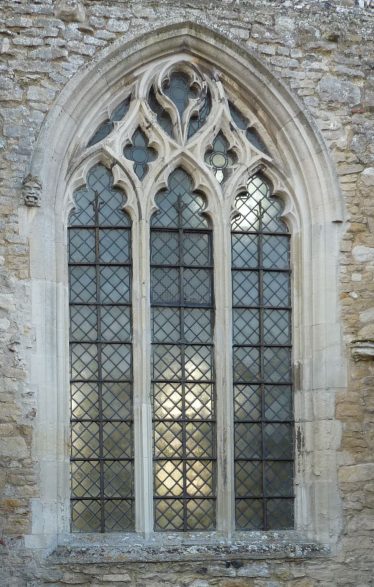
x=180, y=317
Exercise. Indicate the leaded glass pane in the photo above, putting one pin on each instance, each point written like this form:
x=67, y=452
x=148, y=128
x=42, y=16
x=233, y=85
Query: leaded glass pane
x=198, y=119
x=179, y=90
x=101, y=359
x=251, y=133
x=261, y=361
x=163, y=117
x=140, y=153
x=183, y=370
x=220, y=157
x=107, y=126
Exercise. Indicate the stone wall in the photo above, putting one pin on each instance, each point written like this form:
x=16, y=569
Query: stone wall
x=324, y=52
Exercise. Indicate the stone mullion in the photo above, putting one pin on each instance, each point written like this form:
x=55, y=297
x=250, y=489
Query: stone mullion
x=142, y=378
x=224, y=386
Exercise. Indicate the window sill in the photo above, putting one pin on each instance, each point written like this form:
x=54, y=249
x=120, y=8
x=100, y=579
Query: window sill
x=94, y=548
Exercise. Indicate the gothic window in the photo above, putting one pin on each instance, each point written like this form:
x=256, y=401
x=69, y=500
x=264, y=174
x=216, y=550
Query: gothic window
x=180, y=317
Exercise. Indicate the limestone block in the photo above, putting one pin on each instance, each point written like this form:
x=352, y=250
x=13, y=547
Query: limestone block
x=356, y=473
x=368, y=176
x=333, y=89
x=17, y=448
x=363, y=254
x=70, y=10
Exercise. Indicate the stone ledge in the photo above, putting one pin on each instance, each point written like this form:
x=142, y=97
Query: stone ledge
x=129, y=548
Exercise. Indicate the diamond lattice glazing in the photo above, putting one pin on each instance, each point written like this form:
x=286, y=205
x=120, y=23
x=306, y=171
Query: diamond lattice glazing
x=101, y=358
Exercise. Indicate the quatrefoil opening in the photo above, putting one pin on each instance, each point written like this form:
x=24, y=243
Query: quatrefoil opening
x=140, y=153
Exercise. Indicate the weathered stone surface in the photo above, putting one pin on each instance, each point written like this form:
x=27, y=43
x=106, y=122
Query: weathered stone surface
x=323, y=52
x=333, y=89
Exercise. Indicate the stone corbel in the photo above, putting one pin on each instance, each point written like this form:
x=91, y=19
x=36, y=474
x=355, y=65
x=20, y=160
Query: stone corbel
x=31, y=191
x=363, y=350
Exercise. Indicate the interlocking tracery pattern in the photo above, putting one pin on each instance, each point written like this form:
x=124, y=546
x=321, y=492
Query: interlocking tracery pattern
x=182, y=153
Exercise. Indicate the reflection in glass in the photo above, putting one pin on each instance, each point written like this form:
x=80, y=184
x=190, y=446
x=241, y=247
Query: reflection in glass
x=100, y=358
x=220, y=157
x=182, y=372
x=261, y=360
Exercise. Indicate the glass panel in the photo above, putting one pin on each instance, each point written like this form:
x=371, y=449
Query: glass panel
x=167, y=400
x=116, y=400
x=251, y=133
x=277, y=365
x=119, y=515
x=83, y=323
x=246, y=326
x=164, y=248
x=278, y=402
x=168, y=440
x=169, y=514
x=278, y=441
x=117, y=440
x=280, y=514
x=85, y=440
x=85, y=479
x=244, y=251
x=197, y=286
x=163, y=117
x=278, y=479
x=165, y=286
x=201, y=514
x=84, y=401
x=82, y=285
x=220, y=157
x=247, y=402
x=114, y=246
x=245, y=288
x=84, y=213
x=197, y=120
x=101, y=402
x=107, y=126
x=196, y=249
x=199, y=401
x=82, y=245
x=277, y=324
x=116, y=361
x=198, y=325
x=179, y=90
x=166, y=324
x=275, y=252
x=262, y=354
x=183, y=392
x=139, y=152
x=86, y=516
x=249, y=514
x=276, y=289
x=115, y=285
x=167, y=362
x=116, y=323
x=84, y=361
x=248, y=442
x=248, y=478
x=246, y=364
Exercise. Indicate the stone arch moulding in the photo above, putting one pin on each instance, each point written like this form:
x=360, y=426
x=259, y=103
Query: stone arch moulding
x=303, y=175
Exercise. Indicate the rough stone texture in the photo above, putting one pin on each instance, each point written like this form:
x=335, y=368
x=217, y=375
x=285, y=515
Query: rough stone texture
x=324, y=52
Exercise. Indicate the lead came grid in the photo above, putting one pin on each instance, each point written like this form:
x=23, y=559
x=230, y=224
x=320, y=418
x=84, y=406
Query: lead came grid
x=101, y=359
x=183, y=372
x=262, y=362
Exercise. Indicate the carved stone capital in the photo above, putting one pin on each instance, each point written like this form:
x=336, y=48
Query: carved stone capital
x=31, y=191
x=363, y=350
